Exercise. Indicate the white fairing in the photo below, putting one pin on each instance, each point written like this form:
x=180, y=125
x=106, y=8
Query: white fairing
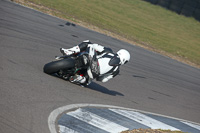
x=89, y=73
x=91, y=52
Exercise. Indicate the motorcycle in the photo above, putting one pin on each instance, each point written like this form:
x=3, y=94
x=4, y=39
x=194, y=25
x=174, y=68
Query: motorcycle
x=68, y=66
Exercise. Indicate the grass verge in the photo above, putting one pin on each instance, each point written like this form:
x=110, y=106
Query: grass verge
x=137, y=22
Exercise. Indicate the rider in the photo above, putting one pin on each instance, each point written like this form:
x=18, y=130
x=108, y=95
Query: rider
x=105, y=64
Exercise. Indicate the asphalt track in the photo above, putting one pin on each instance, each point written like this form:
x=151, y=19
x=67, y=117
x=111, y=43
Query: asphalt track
x=29, y=39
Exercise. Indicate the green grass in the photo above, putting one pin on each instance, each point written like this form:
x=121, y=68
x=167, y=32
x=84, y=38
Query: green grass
x=138, y=21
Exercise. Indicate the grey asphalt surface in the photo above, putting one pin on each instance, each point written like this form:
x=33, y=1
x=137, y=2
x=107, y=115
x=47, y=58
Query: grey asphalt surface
x=29, y=39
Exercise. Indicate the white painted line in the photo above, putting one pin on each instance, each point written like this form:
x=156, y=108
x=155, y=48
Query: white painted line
x=192, y=125
x=145, y=120
x=64, y=129
x=97, y=121
x=55, y=113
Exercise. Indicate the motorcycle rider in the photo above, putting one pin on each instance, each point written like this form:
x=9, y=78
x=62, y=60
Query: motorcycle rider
x=104, y=65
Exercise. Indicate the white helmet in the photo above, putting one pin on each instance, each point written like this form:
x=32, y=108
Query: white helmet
x=124, y=56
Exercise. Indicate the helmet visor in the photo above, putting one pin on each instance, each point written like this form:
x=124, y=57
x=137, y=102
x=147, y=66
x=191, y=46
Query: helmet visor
x=125, y=62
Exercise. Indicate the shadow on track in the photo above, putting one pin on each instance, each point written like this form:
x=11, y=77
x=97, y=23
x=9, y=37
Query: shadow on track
x=97, y=87
x=138, y=76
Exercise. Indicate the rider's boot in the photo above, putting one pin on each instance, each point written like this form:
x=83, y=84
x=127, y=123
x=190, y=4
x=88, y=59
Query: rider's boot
x=70, y=51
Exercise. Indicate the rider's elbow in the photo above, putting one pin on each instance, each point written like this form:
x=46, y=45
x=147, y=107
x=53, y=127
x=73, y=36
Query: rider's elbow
x=106, y=79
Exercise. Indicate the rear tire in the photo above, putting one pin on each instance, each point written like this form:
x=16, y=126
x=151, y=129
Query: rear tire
x=55, y=66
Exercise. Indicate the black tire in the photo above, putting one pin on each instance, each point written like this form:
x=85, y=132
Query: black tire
x=55, y=66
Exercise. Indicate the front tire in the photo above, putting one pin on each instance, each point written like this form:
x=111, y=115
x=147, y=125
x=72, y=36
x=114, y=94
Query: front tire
x=55, y=66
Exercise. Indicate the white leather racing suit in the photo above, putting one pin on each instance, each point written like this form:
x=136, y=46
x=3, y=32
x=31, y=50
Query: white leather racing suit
x=105, y=65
